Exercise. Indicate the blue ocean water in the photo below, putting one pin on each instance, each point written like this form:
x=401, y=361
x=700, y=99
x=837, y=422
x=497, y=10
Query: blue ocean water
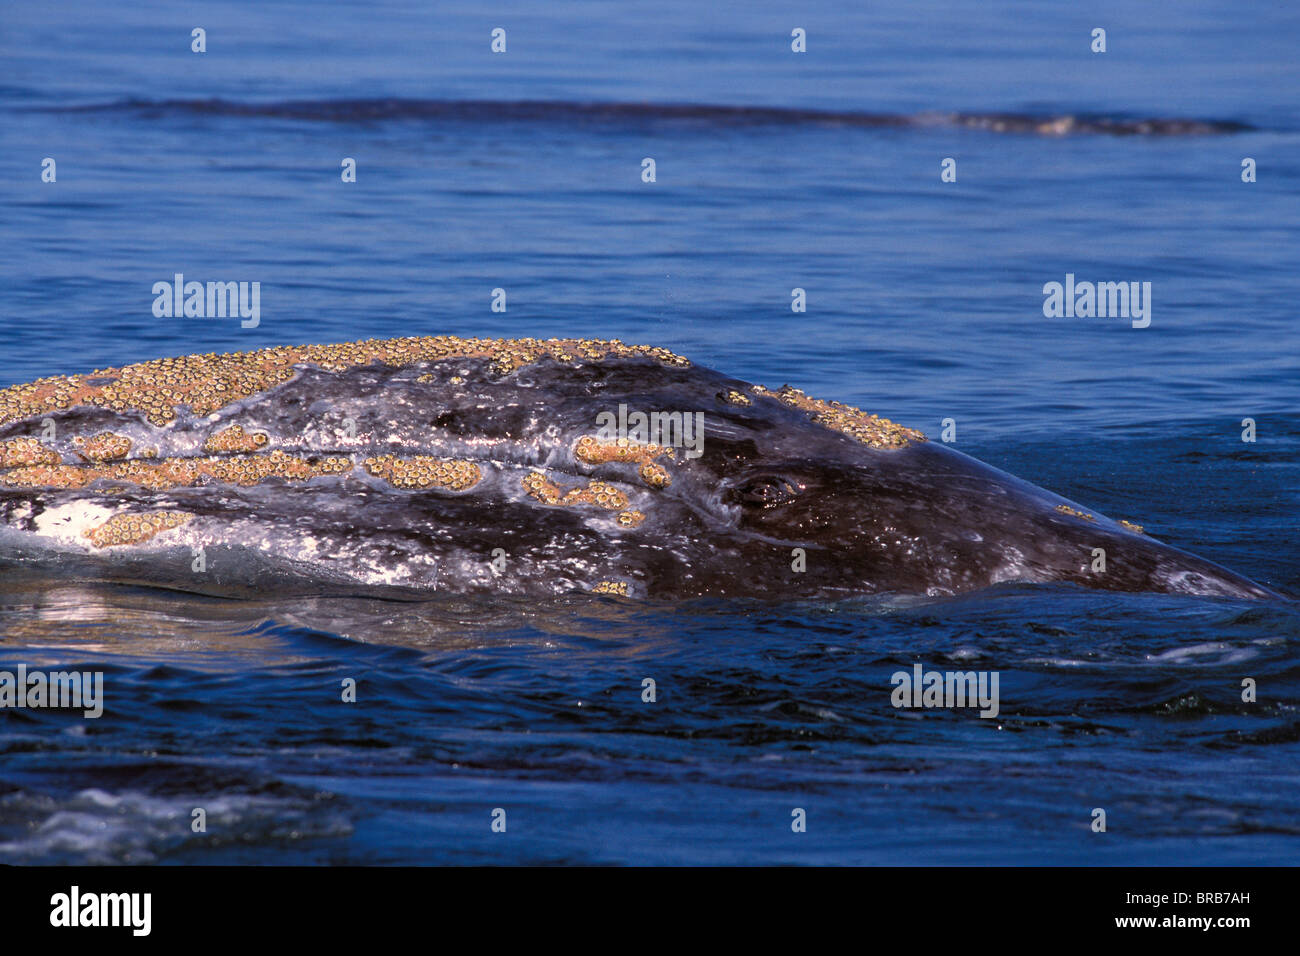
x=924, y=303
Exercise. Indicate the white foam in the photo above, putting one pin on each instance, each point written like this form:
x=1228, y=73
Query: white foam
x=69, y=523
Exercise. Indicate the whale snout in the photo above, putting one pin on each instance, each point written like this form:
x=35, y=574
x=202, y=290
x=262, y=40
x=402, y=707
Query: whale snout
x=1179, y=572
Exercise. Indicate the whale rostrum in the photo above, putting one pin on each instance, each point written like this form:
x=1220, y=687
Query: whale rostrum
x=424, y=465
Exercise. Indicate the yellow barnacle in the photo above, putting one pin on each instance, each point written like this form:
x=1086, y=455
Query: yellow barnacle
x=21, y=452
x=47, y=476
x=594, y=452
x=630, y=519
x=1074, y=512
x=423, y=471
x=209, y=382
x=597, y=493
x=605, y=495
x=123, y=529
x=846, y=419
x=106, y=446
x=655, y=475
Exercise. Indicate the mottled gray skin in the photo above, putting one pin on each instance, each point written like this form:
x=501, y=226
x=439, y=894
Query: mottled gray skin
x=920, y=519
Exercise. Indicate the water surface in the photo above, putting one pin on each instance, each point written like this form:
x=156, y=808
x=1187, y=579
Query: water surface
x=924, y=303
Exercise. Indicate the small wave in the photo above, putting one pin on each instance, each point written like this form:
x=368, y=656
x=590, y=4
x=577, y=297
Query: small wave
x=1214, y=652
x=566, y=111
x=96, y=827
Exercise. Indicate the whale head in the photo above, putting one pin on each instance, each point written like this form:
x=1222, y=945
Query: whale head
x=523, y=467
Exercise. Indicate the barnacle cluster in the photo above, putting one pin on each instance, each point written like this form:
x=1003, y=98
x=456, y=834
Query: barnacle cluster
x=423, y=471
x=599, y=493
x=595, y=452
x=106, y=446
x=179, y=472
x=210, y=381
x=233, y=439
x=21, y=452
x=135, y=528
x=869, y=429
x=1075, y=512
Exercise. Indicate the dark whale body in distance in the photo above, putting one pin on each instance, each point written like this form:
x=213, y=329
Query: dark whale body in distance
x=428, y=465
x=648, y=115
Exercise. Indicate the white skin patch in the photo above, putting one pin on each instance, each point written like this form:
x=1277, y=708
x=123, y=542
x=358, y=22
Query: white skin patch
x=68, y=523
x=381, y=573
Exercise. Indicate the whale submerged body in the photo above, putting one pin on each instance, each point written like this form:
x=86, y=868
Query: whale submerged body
x=449, y=465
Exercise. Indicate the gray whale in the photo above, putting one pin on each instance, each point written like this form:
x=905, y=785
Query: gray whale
x=641, y=115
x=426, y=465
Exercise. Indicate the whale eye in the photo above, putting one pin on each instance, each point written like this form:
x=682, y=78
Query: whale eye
x=766, y=491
